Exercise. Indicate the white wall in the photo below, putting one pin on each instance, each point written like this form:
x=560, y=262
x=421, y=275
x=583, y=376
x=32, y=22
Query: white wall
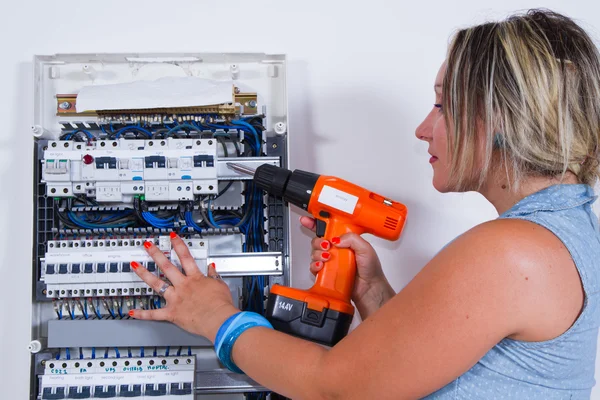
x=360, y=80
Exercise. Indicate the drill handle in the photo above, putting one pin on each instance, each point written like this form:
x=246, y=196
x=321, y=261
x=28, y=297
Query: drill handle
x=336, y=279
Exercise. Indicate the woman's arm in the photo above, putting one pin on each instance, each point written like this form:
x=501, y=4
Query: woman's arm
x=476, y=292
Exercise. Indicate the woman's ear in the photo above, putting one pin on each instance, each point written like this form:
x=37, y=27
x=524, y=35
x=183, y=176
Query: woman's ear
x=498, y=141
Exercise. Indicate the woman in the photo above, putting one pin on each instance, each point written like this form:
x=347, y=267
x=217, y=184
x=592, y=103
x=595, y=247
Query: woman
x=508, y=309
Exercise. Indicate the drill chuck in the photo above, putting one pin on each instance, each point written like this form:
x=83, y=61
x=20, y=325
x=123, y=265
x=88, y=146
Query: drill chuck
x=295, y=187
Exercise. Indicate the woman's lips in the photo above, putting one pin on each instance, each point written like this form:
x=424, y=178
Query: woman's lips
x=433, y=159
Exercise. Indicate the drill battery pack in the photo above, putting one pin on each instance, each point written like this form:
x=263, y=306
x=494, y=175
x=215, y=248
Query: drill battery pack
x=293, y=317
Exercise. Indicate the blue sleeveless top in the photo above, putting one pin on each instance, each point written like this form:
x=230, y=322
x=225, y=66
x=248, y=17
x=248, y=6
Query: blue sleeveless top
x=563, y=367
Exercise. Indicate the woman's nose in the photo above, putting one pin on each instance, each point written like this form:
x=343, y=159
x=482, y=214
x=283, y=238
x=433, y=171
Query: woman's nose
x=425, y=129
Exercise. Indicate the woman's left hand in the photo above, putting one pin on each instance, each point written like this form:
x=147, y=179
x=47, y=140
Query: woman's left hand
x=195, y=302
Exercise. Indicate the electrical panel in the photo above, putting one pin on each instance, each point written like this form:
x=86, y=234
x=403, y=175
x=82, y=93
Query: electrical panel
x=128, y=148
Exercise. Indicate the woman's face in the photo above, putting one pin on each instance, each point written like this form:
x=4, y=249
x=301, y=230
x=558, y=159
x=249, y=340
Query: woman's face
x=433, y=131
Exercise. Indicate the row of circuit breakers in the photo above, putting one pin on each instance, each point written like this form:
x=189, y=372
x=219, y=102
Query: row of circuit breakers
x=170, y=169
x=163, y=377
x=75, y=268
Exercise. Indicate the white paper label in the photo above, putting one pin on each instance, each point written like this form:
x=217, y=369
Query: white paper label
x=337, y=199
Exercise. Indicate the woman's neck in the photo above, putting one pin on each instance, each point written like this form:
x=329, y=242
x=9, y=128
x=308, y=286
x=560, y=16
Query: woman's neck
x=502, y=197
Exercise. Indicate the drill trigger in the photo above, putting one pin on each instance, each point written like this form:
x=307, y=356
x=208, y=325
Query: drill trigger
x=321, y=225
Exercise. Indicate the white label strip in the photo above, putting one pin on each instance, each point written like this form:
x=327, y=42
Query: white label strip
x=111, y=379
x=337, y=199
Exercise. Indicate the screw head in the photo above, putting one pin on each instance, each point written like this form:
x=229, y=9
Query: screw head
x=252, y=103
x=65, y=105
x=54, y=144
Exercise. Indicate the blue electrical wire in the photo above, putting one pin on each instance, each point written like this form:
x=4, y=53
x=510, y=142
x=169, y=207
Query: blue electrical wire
x=182, y=126
x=158, y=222
x=112, y=313
x=167, y=351
x=87, y=225
x=189, y=220
x=87, y=133
x=129, y=352
x=117, y=353
x=189, y=350
x=141, y=352
x=133, y=128
x=84, y=309
x=68, y=353
x=58, y=355
x=93, y=352
x=155, y=352
x=251, y=129
x=179, y=351
x=106, y=353
x=80, y=353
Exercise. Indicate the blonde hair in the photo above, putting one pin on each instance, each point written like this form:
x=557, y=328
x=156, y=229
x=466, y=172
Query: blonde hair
x=533, y=82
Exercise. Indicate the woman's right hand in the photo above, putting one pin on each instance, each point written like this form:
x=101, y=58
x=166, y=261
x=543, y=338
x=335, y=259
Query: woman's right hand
x=371, y=288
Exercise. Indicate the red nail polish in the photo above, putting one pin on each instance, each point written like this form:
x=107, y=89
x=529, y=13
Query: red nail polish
x=134, y=265
x=318, y=264
x=335, y=240
x=326, y=255
x=131, y=313
x=212, y=265
x=173, y=235
x=147, y=244
x=325, y=245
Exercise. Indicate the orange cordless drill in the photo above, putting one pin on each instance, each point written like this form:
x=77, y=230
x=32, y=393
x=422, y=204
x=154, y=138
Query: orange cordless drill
x=324, y=312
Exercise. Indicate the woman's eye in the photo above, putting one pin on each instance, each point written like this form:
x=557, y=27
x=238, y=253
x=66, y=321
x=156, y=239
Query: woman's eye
x=438, y=106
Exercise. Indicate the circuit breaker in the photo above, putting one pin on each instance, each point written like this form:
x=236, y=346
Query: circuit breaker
x=128, y=148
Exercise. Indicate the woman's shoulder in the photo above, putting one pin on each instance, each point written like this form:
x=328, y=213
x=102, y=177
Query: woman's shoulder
x=528, y=261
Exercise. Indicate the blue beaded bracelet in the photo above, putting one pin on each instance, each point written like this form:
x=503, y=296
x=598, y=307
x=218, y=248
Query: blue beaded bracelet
x=231, y=329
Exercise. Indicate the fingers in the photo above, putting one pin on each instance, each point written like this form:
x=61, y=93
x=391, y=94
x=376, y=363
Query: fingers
x=320, y=244
x=185, y=257
x=162, y=314
x=152, y=280
x=318, y=255
x=308, y=222
x=353, y=241
x=170, y=271
x=316, y=266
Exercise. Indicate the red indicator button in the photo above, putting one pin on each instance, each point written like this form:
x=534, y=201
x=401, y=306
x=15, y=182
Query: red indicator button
x=88, y=159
